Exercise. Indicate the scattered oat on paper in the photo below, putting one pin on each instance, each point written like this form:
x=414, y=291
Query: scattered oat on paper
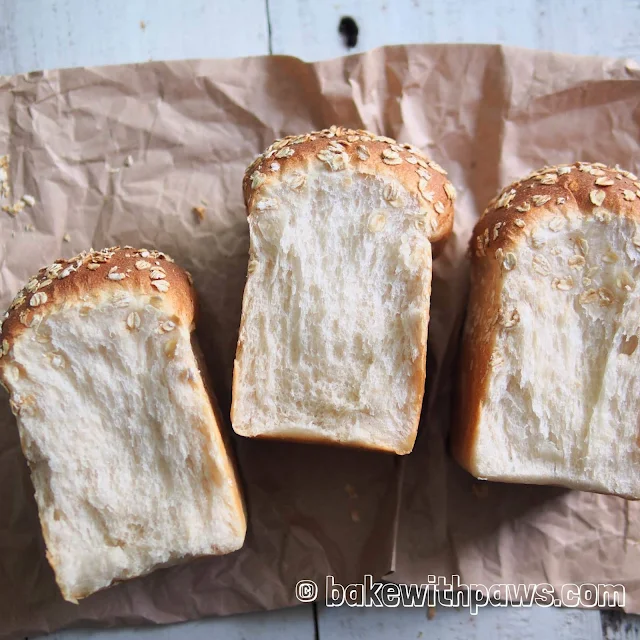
x=5, y=189
x=199, y=211
x=13, y=209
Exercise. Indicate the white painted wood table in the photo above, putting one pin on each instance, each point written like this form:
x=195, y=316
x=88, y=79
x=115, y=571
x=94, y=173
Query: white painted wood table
x=46, y=34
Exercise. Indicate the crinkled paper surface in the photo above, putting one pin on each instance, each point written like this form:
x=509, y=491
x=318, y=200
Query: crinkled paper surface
x=488, y=114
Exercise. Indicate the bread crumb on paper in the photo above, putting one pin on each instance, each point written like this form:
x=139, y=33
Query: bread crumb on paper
x=29, y=227
x=5, y=188
x=13, y=209
x=199, y=211
x=66, y=237
x=128, y=161
x=143, y=25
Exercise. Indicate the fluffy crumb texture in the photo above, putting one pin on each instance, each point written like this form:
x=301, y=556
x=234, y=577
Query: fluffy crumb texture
x=550, y=388
x=333, y=336
x=122, y=438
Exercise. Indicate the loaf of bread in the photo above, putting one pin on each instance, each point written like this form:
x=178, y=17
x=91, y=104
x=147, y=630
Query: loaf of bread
x=121, y=435
x=549, y=378
x=333, y=335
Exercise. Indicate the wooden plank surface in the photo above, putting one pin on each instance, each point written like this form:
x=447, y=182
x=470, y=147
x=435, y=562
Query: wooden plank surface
x=491, y=623
x=309, y=29
x=617, y=625
x=37, y=34
x=50, y=34
x=296, y=623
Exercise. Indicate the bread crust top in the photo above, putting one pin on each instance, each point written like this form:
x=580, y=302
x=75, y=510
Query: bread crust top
x=92, y=274
x=291, y=159
x=588, y=189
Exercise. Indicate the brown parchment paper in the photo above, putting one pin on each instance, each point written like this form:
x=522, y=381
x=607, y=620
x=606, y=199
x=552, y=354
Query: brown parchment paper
x=488, y=114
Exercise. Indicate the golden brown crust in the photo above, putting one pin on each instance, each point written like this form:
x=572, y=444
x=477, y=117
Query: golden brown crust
x=65, y=282
x=545, y=196
x=587, y=188
x=475, y=363
x=311, y=438
x=290, y=159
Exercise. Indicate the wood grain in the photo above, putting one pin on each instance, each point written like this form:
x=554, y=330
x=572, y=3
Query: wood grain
x=309, y=29
x=50, y=34
x=491, y=623
x=296, y=623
